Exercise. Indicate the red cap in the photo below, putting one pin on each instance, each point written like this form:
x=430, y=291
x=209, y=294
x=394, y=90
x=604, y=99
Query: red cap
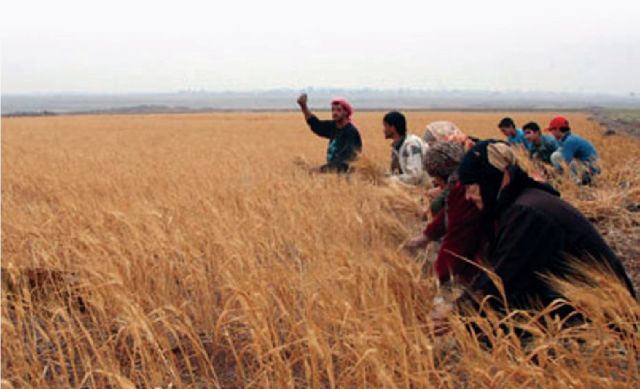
x=558, y=122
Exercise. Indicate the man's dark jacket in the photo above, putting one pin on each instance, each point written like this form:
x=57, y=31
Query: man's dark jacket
x=344, y=145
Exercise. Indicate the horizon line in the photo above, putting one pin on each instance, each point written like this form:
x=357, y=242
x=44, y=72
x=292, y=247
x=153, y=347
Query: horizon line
x=321, y=89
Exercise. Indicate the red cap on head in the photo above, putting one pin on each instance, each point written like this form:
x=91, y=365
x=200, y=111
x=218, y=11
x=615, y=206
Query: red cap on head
x=344, y=104
x=558, y=122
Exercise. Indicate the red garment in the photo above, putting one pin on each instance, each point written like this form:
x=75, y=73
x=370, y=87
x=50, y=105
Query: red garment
x=463, y=236
x=436, y=228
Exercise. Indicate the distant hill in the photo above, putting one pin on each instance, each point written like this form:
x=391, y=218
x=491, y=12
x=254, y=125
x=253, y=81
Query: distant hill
x=284, y=99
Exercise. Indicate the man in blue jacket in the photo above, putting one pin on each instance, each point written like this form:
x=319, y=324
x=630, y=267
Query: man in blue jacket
x=344, y=139
x=574, y=151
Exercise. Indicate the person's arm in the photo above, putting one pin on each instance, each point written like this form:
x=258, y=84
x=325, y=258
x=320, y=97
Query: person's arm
x=436, y=228
x=302, y=102
x=525, y=245
x=568, y=150
x=462, y=238
x=323, y=128
x=437, y=202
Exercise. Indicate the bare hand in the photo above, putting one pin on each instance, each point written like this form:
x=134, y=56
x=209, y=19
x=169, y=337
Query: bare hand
x=440, y=317
x=433, y=193
x=417, y=242
x=302, y=100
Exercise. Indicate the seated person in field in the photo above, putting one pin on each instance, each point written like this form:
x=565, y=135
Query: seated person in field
x=536, y=234
x=574, y=151
x=457, y=223
x=407, y=150
x=344, y=139
x=542, y=146
x=515, y=136
x=439, y=131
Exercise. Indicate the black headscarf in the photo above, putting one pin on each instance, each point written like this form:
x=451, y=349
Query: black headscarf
x=477, y=168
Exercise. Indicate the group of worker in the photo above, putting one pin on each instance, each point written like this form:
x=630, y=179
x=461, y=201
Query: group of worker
x=485, y=208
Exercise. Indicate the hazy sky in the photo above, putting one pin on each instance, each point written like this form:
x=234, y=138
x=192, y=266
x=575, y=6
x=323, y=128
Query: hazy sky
x=149, y=46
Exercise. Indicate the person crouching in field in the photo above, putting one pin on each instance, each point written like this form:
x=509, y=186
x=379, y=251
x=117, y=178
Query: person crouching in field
x=574, y=151
x=515, y=136
x=407, y=150
x=344, y=139
x=434, y=133
x=542, y=146
x=536, y=234
x=457, y=223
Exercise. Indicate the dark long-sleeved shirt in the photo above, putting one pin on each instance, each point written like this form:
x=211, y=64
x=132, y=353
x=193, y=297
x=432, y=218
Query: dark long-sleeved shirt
x=344, y=145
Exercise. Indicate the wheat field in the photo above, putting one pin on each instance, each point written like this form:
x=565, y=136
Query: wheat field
x=197, y=251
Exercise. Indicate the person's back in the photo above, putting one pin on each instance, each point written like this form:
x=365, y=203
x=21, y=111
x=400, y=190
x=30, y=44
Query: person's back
x=539, y=233
x=577, y=147
x=409, y=158
x=577, y=238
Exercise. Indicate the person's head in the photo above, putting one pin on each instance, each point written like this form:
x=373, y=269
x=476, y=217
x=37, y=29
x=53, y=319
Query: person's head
x=394, y=124
x=482, y=172
x=532, y=132
x=507, y=126
x=440, y=131
x=559, y=127
x=341, y=110
x=442, y=159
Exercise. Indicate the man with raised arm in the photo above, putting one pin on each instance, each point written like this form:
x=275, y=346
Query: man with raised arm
x=344, y=139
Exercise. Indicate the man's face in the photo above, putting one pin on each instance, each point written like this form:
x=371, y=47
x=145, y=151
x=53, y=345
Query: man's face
x=556, y=133
x=338, y=113
x=472, y=193
x=532, y=136
x=508, y=131
x=389, y=130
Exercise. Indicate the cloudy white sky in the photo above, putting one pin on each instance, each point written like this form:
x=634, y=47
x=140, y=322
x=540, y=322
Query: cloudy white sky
x=150, y=46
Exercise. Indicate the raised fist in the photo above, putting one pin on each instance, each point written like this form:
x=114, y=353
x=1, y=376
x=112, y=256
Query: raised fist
x=302, y=100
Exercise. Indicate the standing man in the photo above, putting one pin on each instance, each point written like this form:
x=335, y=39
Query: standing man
x=542, y=146
x=344, y=139
x=407, y=150
x=515, y=136
x=574, y=150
